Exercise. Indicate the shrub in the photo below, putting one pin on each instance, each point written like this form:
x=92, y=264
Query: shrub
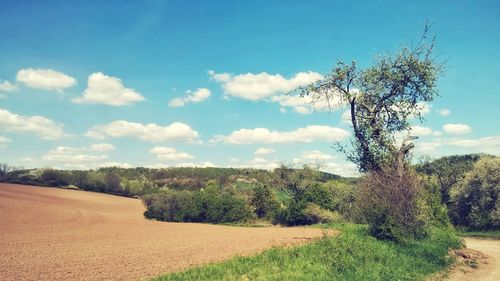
x=476, y=204
x=55, y=178
x=389, y=200
x=293, y=214
x=316, y=214
x=264, y=201
x=211, y=205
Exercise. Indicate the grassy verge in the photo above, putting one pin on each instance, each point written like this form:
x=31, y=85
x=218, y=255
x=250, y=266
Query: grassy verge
x=493, y=234
x=353, y=255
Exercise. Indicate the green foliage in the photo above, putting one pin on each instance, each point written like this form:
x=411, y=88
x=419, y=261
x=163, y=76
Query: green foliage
x=343, y=197
x=353, y=255
x=316, y=214
x=264, y=201
x=449, y=171
x=476, y=201
x=382, y=99
x=211, y=205
x=55, y=178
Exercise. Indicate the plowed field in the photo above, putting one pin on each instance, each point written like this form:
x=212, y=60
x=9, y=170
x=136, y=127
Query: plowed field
x=57, y=234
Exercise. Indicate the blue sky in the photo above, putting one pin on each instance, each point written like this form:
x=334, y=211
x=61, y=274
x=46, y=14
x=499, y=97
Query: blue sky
x=85, y=84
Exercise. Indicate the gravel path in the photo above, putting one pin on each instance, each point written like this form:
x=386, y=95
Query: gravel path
x=56, y=234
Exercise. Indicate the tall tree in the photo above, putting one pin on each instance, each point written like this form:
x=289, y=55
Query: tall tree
x=382, y=100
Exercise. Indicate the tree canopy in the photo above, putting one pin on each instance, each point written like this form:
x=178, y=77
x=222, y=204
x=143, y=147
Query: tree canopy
x=382, y=99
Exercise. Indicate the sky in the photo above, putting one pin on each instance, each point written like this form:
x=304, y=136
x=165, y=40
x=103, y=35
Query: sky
x=88, y=84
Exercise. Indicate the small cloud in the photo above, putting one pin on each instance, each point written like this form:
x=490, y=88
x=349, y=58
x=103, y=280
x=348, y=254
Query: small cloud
x=6, y=86
x=258, y=86
x=197, y=96
x=108, y=90
x=456, y=129
x=147, y=132
x=46, y=79
x=102, y=147
x=263, y=151
x=170, y=154
x=316, y=155
x=444, y=112
x=308, y=134
x=115, y=164
x=37, y=125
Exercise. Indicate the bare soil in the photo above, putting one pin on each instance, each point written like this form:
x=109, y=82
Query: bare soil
x=57, y=234
x=479, y=261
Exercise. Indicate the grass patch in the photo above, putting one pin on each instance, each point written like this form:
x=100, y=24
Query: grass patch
x=353, y=255
x=491, y=234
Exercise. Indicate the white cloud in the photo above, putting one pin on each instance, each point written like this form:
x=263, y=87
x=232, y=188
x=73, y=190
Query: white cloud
x=170, y=154
x=6, y=86
x=115, y=164
x=261, y=163
x=456, y=129
x=261, y=85
x=493, y=141
x=316, y=155
x=71, y=155
x=4, y=141
x=197, y=96
x=444, y=112
x=486, y=145
x=103, y=89
x=420, y=131
x=146, y=132
x=263, y=151
x=205, y=164
x=37, y=125
x=46, y=79
x=306, y=105
x=305, y=135
x=102, y=147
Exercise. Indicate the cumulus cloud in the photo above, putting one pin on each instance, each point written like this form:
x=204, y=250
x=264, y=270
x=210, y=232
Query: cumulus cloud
x=6, y=86
x=306, y=105
x=147, y=132
x=4, y=141
x=37, y=125
x=304, y=135
x=170, y=154
x=72, y=155
x=263, y=151
x=108, y=90
x=46, y=79
x=420, y=131
x=444, y=112
x=197, y=96
x=102, y=147
x=489, y=144
x=456, y=129
x=261, y=85
x=316, y=155
x=205, y=164
x=115, y=164
x=261, y=163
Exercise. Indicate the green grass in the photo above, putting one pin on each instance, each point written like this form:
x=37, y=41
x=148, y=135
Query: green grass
x=491, y=234
x=353, y=255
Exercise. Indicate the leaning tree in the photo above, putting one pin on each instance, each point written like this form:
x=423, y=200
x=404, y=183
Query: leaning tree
x=382, y=100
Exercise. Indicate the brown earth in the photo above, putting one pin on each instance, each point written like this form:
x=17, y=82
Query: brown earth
x=480, y=261
x=57, y=234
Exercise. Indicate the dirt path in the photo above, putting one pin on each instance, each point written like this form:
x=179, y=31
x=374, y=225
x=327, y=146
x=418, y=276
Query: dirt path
x=487, y=259
x=56, y=234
